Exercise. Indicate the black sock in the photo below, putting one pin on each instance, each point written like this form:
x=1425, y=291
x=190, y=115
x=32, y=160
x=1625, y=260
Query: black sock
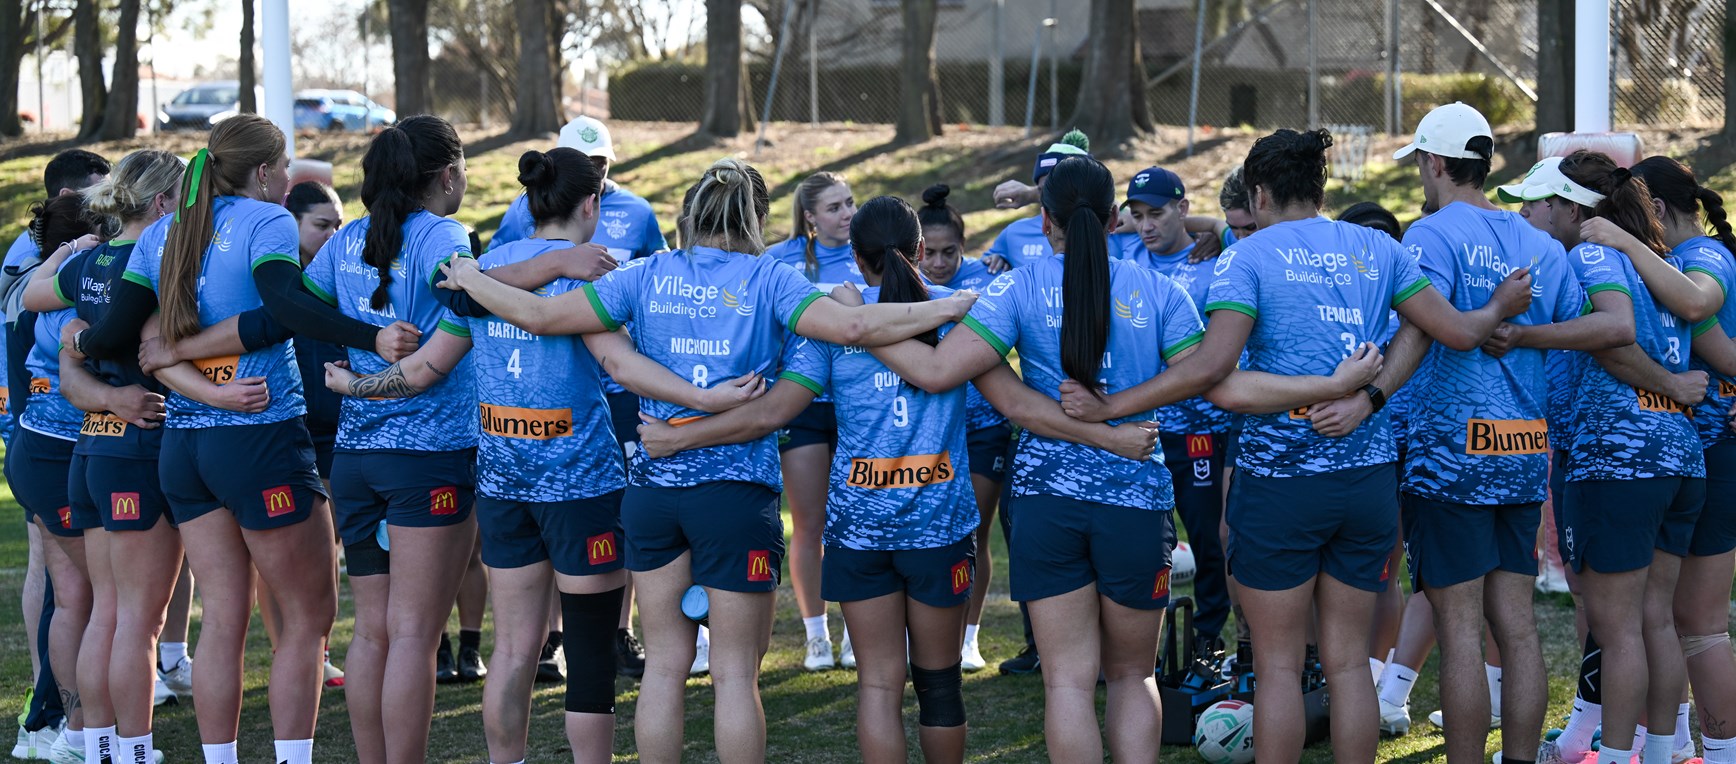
x=554, y=640
x=470, y=638
x=1591, y=672
x=620, y=633
x=445, y=644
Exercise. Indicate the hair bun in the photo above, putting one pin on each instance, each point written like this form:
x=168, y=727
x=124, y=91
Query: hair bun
x=1619, y=177
x=935, y=195
x=535, y=169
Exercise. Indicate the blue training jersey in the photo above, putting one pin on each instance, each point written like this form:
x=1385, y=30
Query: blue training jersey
x=22, y=251
x=1705, y=254
x=1317, y=289
x=47, y=412
x=971, y=274
x=84, y=284
x=1195, y=415
x=249, y=232
x=1620, y=432
x=626, y=224
x=1151, y=320
x=707, y=315
x=900, y=476
x=546, y=435
x=1477, y=432
x=833, y=265
x=443, y=417
x=1022, y=242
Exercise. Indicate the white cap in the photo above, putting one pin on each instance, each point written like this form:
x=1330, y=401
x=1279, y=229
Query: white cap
x=1545, y=180
x=1445, y=131
x=589, y=136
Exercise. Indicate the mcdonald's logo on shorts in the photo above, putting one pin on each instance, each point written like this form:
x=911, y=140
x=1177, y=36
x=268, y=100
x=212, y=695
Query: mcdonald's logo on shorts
x=1386, y=568
x=1160, y=587
x=759, y=565
x=65, y=517
x=279, y=501
x=600, y=548
x=961, y=577
x=124, y=506
x=443, y=500
x=1199, y=446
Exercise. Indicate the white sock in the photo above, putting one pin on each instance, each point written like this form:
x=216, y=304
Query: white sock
x=221, y=753
x=1608, y=755
x=1658, y=749
x=703, y=639
x=1396, y=681
x=846, y=640
x=970, y=633
x=816, y=628
x=1493, y=674
x=170, y=654
x=1719, y=750
x=295, y=751
x=99, y=741
x=1684, y=736
x=1575, y=740
x=133, y=750
x=74, y=738
x=1639, y=738
x=1377, y=668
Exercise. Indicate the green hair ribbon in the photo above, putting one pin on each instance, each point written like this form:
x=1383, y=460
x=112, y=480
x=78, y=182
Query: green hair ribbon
x=200, y=159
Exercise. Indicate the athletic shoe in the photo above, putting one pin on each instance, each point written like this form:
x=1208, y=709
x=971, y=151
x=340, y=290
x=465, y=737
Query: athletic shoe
x=445, y=666
x=1551, y=580
x=629, y=654
x=179, y=677
x=1026, y=662
x=334, y=676
x=1437, y=719
x=162, y=695
x=63, y=753
x=819, y=655
x=551, y=667
x=1394, y=720
x=470, y=666
x=847, y=653
x=35, y=745
x=1549, y=753
x=971, y=657
x=701, y=661
x=1684, y=755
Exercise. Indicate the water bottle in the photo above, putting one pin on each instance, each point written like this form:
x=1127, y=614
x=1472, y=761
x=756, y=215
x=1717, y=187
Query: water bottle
x=696, y=606
x=382, y=537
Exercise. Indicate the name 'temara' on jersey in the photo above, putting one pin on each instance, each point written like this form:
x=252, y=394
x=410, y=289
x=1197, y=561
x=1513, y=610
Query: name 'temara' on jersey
x=1706, y=255
x=709, y=316
x=1477, y=429
x=1151, y=320
x=441, y=418
x=545, y=426
x=900, y=477
x=1317, y=289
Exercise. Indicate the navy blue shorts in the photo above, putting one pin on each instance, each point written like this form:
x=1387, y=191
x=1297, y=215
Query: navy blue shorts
x=1447, y=543
x=39, y=466
x=122, y=494
x=324, y=444
x=732, y=528
x=1557, y=498
x=1614, y=526
x=1196, y=466
x=263, y=473
x=1286, y=531
x=427, y=489
x=581, y=537
x=939, y=577
x=991, y=450
x=1061, y=544
x=624, y=417
x=818, y=423
x=1715, y=531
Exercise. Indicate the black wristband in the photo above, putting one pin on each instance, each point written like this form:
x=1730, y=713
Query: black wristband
x=1376, y=396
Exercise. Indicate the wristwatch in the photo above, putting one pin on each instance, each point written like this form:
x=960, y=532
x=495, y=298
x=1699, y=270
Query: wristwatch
x=1376, y=396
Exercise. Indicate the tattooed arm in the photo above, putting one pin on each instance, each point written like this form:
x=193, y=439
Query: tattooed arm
x=406, y=378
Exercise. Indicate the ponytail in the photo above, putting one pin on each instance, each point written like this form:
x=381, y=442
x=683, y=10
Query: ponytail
x=1672, y=183
x=1717, y=217
x=127, y=194
x=807, y=198
x=724, y=212
x=400, y=166
x=1080, y=197
x=238, y=145
x=1627, y=200
x=885, y=234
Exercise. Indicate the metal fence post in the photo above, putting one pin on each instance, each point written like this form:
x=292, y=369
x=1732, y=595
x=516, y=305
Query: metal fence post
x=1313, y=71
x=813, y=64
x=1394, y=119
x=1052, y=24
x=1193, y=96
x=997, y=67
x=777, y=67
x=1031, y=90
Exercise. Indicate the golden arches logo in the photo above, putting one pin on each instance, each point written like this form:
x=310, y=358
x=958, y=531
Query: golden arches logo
x=600, y=549
x=759, y=565
x=124, y=506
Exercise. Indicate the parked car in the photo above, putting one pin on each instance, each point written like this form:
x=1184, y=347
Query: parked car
x=339, y=110
x=203, y=105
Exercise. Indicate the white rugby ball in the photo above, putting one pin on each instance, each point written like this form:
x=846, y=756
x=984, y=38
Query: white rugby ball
x=1225, y=733
x=1181, y=565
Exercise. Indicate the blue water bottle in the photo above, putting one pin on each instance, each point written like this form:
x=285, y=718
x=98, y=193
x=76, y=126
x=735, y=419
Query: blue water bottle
x=696, y=606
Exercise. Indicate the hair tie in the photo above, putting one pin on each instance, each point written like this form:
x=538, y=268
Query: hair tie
x=1620, y=176
x=200, y=158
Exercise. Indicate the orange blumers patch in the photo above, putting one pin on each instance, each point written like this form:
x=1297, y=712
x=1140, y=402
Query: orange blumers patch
x=220, y=370
x=1496, y=437
x=902, y=471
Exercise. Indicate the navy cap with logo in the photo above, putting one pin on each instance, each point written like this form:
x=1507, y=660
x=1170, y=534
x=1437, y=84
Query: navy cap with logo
x=1155, y=186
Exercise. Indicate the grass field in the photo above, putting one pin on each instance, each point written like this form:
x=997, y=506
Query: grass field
x=810, y=716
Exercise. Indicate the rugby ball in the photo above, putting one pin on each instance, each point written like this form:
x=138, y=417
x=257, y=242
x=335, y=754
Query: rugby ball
x=1181, y=565
x=1224, y=734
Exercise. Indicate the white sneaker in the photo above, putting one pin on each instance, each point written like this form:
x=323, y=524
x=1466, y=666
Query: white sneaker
x=971, y=657
x=1552, y=580
x=1684, y=754
x=34, y=745
x=701, y=660
x=162, y=695
x=819, y=655
x=62, y=753
x=1394, y=720
x=847, y=653
x=180, y=677
x=1437, y=719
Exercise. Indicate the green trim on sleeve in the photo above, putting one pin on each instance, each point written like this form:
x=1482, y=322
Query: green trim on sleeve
x=1411, y=291
x=988, y=336
x=1587, y=309
x=1235, y=306
x=64, y=300
x=1699, y=269
x=454, y=329
x=1705, y=326
x=1187, y=342
x=292, y=259
x=609, y=321
x=814, y=387
x=435, y=271
x=138, y=279
x=317, y=292
x=796, y=315
x=1591, y=290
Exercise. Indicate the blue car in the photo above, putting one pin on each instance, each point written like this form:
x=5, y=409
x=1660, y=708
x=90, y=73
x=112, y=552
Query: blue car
x=339, y=110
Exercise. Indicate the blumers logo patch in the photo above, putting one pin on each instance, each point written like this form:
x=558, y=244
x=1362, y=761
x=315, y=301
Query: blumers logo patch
x=600, y=549
x=759, y=565
x=1499, y=437
x=1160, y=587
x=124, y=506
x=443, y=500
x=278, y=501
x=961, y=577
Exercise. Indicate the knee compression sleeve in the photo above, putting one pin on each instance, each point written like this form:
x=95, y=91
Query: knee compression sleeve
x=1694, y=645
x=939, y=702
x=589, y=621
x=367, y=558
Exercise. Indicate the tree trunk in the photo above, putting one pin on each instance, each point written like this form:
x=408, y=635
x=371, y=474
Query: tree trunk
x=725, y=82
x=1729, y=66
x=538, y=108
x=1111, y=107
x=121, y=119
x=918, y=92
x=409, y=23
x=87, y=47
x=1555, y=66
x=11, y=66
x=249, y=73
